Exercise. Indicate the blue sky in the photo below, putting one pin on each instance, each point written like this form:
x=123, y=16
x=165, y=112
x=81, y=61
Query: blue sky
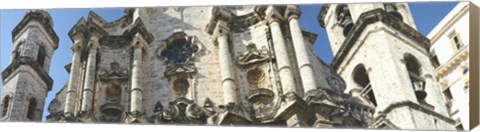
x=426, y=16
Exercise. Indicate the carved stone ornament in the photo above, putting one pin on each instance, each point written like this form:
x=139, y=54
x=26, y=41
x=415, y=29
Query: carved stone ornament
x=115, y=73
x=54, y=110
x=184, y=111
x=186, y=69
x=179, y=51
x=262, y=103
x=253, y=55
x=336, y=83
x=232, y=114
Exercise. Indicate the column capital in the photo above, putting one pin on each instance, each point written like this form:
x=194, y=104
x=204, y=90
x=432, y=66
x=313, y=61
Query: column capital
x=139, y=41
x=222, y=28
x=76, y=48
x=292, y=12
x=273, y=15
x=219, y=15
x=93, y=42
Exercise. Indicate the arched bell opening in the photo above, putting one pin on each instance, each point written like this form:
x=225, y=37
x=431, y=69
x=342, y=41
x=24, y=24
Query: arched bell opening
x=344, y=18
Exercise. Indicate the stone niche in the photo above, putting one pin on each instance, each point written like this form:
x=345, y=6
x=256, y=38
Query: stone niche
x=114, y=84
x=254, y=65
x=112, y=92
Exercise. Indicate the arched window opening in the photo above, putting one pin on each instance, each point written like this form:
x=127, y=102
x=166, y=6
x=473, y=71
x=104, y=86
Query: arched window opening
x=414, y=72
x=18, y=50
x=344, y=18
x=392, y=9
x=32, y=105
x=6, y=103
x=360, y=77
x=41, y=56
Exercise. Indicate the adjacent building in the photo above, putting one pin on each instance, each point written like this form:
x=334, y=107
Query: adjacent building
x=449, y=53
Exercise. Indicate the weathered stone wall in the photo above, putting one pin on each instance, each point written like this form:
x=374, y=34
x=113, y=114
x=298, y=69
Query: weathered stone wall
x=25, y=79
x=372, y=53
x=24, y=84
x=162, y=23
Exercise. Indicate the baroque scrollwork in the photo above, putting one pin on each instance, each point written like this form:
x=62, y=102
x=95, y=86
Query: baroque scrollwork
x=115, y=73
x=179, y=51
x=253, y=55
x=183, y=111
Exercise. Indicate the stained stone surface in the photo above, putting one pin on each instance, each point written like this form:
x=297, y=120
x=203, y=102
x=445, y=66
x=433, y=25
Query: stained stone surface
x=219, y=66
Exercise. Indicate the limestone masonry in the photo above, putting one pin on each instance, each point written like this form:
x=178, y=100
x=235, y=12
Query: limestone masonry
x=239, y=65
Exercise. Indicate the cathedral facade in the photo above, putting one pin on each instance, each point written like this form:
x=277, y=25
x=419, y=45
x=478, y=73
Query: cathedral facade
x=241, y=65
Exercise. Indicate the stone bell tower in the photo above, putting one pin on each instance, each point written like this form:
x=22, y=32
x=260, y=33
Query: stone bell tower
x=26, y=80
x=384, y=61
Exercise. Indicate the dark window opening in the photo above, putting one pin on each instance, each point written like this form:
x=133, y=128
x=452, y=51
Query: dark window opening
x=360, y=77
x=179, y=52
x=31, y=109
x=458, y=125
x=6, y=103
x=392, y=9
x=344, y=18
x=448, y=98
x=41, y=56
x=455, y=39
x=434, y=59
x=418, y=83
x=457, y=42
x=447, y=94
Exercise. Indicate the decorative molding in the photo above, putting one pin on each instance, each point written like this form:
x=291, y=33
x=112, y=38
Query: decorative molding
x=179, y=67
x=115, y=73
x=253, y=55
x=7, y=73
x=367, y=18
x=43, y=18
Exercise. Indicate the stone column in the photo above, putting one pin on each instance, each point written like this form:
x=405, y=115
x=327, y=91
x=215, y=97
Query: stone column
x=89, y=87
x=228, y=83
x=293, y=108
x=281, y=53
x=303, y=58
x=136, y=88
x=72, y=85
